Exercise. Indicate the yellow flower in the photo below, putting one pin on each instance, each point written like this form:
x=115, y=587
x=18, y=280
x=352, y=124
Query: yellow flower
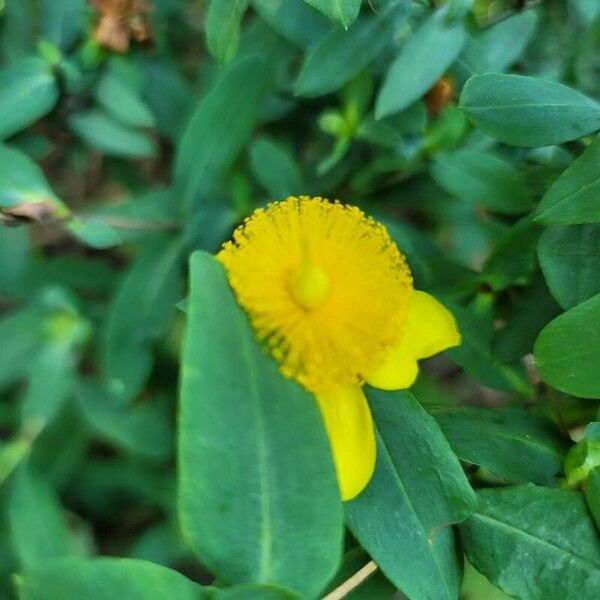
x=331, y=296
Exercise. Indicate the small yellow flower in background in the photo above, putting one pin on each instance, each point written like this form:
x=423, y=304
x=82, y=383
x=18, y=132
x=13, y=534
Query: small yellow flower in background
x=331, y=296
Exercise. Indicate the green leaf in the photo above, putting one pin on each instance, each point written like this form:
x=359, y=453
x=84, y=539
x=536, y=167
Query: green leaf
x=293, y=20
x=497, y=47
x=476, y=586
x=139, y=313
x=220, y=127
x=105, y=579
x=258, y=499
x=534, y=543
x=528, y=111
x=342, y=55
x=575, y=196
x=62, y=21
x=483, y=179
x=592, y=494
x=142, y=429
x=515, y=444
x=421, y=62
x=570, y=259
x=513, y=257
x=417, y=488
x=276, y=169
x=38, y=526
x=28, y=91
x=103, y=133
x=223, y=28
x=343, y=12
x=119, y=98
x=257, y=592
x=567, y=351
x=534, y=308
x=23, y=182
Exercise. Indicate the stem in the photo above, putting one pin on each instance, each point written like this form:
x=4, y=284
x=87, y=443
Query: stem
x=343, y=590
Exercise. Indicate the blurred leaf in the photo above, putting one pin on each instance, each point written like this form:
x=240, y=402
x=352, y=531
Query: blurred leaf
x=23, y=183
x=570, y=259
x=528, y=111
x=143, y=429
x=274, y=483
x=517, y=445
x=482, y=178
x=220, y=127
x=161, y=543
x=256, y=592
x=342, y=11
x=417, y=488
x=575, y=196
x=38, y=526
x=592, y=494
x=534, y=543
x=28, y=91
x=274, y=167
x=223, y=28
x=421, y=62
x=120, y=100
x=532, y=311
x=108, y=225
x=342, y=55
x=62, y=21
x=567, y=350
x=497, y=47
x=139, y=312
x=293, y=20
x=103, y=133
x=106, y=579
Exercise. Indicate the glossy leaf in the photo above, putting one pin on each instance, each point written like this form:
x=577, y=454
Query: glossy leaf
x=417, y=488
x=575, y=196
x=28, y=91
x=517, y=445
x=534, y=543
x=258, y=500
x=567, y=350
x=421, y=62
x=105, y=579
x=570, y=259
x=528, y=111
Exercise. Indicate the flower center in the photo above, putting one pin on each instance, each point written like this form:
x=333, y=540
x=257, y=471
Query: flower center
x=309, y=285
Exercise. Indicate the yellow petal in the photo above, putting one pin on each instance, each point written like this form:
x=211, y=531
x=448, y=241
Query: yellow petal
x=430, y=326
x=349, y=427
x=429, y=329
x=397, y=372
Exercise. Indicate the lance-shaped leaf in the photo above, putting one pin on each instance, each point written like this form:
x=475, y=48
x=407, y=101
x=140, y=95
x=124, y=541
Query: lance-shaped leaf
x=258, y=498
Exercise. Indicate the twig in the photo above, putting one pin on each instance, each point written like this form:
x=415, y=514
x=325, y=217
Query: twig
x=343, y=590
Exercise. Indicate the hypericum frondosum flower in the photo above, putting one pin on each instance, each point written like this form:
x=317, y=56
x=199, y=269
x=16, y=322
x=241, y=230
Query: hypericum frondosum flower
x=331, y=296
